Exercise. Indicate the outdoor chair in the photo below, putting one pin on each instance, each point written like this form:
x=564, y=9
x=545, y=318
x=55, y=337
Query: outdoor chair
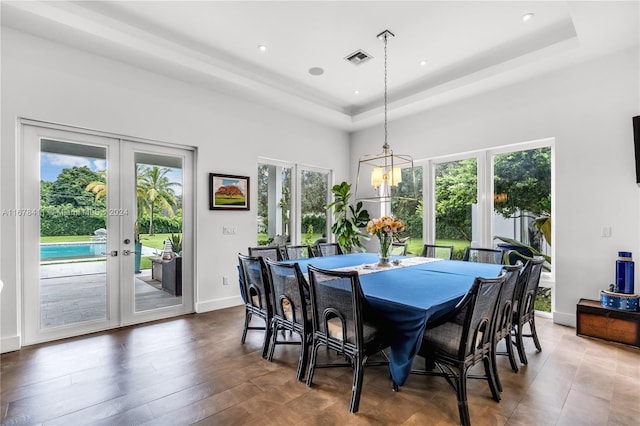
x=291, y=310
x=398, y=249
x=463, y=338
x=328, y=249
x=437, y=251
x=342, y=321
x=483, y=255
x=269, y=252
x=255, y=279
x=524, y=306
x=503, y=319
x=298, y=252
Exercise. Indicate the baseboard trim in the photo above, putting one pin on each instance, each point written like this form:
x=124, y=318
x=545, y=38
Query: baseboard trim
x=214, y=305
x=564, y=318
x=10, y=344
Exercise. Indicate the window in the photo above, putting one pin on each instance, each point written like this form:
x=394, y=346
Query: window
x=410, y=211
x=500, y=197
x=291, y=203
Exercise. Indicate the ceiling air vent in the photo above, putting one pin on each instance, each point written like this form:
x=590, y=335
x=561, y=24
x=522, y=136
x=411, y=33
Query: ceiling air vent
x=358, y=57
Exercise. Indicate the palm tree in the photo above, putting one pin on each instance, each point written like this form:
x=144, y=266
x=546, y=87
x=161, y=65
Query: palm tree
x=155, y=190
x=98, y=187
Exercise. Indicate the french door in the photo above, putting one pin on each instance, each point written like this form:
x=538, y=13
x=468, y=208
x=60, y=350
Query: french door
x=98, y=215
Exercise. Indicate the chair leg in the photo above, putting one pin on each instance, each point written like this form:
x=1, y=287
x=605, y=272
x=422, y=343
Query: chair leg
x=268, y=330
x=356, y=390
x=512, y=357
x=534, y=334
x=494, y=366
x=312, y=364
x=303, y=359
x=520, y=344
x=492, y=378
x=461, y=391
x=274, y=339
x=247, y=320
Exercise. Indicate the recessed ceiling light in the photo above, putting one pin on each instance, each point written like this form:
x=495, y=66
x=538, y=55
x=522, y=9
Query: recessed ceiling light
x=356, y=92
x=262, y=48
x=316, y=71
x=527, y=16
x=423, y=62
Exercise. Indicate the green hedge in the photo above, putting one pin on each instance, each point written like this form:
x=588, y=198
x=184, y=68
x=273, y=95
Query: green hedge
x=318, y=221
x=161, y=224
x=68, y=220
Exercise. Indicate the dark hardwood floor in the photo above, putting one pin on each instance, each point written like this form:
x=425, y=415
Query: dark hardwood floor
x=193, y=370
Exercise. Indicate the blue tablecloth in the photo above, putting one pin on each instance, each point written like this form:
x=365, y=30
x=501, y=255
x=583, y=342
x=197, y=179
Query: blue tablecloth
x=409, y=297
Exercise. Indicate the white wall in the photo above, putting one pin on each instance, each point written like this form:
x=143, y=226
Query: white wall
x=588, y=110
x=46, y=81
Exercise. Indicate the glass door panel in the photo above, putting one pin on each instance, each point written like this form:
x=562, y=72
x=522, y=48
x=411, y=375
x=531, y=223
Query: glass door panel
x=410, y=211
x=157, y=254
x=456, y=211
x=522, y=208
x=274, y=204
x=314, y=217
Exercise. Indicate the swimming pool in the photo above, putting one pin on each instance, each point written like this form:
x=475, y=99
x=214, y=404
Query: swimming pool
x=64, y=251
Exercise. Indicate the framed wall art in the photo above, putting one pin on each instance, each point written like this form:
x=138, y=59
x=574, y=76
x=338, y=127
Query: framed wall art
x=228, y=192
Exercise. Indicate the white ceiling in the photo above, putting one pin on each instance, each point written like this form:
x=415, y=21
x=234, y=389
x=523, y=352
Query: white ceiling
x=469, y=47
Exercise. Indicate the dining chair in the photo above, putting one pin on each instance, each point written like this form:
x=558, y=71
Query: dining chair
x=298, y=252
x=291, y=310
x=483, y=255
x=503, y=319
x=437, y=251
x=342, y=321
x=463, y=338
x=524, y=306
x=398, y=249
x=269, y=252
x=257, y=298
x=328, y=249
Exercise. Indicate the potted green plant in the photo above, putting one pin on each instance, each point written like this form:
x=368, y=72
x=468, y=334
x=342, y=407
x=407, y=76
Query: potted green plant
x=176, y=243
x=349, y=220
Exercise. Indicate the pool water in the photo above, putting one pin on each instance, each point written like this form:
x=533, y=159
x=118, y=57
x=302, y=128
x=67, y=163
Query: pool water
x=61, y=251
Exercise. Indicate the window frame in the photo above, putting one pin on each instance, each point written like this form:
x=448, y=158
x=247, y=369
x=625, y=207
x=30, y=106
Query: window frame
x=296, y=190
x=485, y=167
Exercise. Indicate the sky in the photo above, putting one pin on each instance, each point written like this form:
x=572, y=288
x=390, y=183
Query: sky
x=51, y=166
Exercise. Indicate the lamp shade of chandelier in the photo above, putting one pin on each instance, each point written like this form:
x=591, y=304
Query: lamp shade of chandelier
x=385, y=169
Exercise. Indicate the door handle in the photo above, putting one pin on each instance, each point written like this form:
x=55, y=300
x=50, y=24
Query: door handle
x=128, y=252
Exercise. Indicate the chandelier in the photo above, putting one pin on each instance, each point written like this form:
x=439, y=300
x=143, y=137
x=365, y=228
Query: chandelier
x=385, y=169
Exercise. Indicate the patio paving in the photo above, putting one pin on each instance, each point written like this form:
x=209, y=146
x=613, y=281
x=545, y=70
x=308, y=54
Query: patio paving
x=76, y=292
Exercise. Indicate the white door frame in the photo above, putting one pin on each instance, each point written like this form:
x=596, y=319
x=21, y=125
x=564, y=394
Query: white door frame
x=120, y=310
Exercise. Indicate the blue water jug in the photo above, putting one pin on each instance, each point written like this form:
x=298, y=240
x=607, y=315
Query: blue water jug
x=624, y=272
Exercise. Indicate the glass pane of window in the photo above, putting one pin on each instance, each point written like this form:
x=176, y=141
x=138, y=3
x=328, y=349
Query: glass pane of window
x=522, y=207
x=456, y=209
x=410, y=211
x=313, y=200
x=158, y=249
x=73, y=233
x=274, y=204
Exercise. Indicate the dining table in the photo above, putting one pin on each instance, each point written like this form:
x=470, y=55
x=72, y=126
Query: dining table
x=407, y=295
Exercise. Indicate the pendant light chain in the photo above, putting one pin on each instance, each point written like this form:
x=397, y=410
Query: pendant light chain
x=386, y=143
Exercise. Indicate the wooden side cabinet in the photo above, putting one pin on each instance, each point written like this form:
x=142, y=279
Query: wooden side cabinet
x=615, y=325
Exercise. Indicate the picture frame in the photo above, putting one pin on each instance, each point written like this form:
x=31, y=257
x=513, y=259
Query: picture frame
x=228, y=192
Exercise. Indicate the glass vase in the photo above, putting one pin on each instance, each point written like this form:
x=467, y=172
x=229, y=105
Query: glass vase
x=384, y=251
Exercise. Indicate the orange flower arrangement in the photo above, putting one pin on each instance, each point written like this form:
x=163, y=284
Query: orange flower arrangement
x=385, y=228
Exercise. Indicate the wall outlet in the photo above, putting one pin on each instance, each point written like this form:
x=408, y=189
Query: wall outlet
x=225, y=280
x=228, y=230
x=605, y=232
